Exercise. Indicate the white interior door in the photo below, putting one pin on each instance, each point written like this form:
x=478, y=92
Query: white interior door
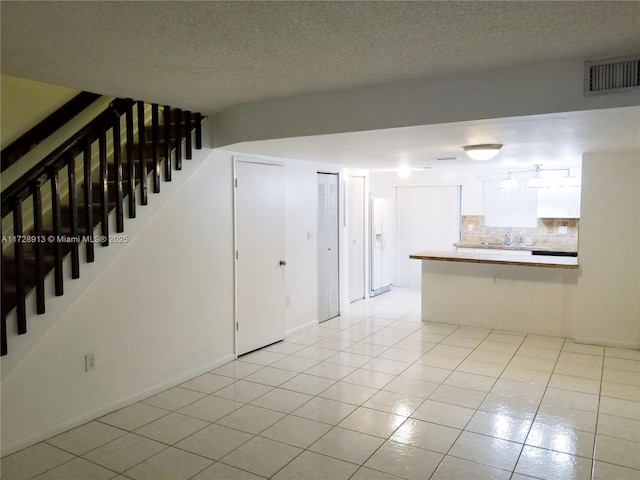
x=355, y=223
x=260, y=240
x=328, y=273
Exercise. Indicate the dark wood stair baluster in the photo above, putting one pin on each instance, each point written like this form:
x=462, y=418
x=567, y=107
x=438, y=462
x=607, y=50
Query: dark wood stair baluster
x=88, y=200
x=117, y=163
x=178, y=137
x=131, y=167
x=166, y=120
x=54, y=178
x=198, y=131
x=142, y=155
x=18, y=248
x=188, y=148
x=38, y=246
x=155, y=139
x=73, y=210
x=104, y=189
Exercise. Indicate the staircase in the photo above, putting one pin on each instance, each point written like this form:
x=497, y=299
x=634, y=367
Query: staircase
x=108, y=165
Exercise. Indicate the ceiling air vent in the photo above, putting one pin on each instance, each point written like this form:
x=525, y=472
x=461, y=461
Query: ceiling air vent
x=612, y=75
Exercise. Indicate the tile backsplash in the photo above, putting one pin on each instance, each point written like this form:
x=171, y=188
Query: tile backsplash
x=545, y=234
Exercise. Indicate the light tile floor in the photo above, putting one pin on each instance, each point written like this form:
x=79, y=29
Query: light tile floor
x=373, y=394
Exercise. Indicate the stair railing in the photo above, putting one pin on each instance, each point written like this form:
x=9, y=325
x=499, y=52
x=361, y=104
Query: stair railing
x=34, y=247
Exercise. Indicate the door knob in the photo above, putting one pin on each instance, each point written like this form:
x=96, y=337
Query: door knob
x=282, y=263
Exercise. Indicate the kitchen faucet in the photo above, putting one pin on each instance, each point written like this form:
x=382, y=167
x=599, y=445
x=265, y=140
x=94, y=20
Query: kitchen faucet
x=507, y=239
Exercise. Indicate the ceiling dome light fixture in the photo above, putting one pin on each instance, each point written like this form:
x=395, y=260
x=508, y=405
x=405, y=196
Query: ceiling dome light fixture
x=404, y=171
x=483, y=152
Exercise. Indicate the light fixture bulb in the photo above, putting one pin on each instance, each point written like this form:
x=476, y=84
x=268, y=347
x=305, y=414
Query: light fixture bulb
x=483, y=152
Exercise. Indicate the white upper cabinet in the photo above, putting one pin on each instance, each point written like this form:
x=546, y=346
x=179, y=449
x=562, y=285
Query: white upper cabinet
x=559, y=202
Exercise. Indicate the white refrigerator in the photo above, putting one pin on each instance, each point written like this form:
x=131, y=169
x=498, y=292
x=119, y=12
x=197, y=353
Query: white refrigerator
x=381, y=246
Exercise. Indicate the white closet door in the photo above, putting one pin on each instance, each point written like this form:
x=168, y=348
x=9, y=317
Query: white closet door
x=427, y=218
x=328, y=274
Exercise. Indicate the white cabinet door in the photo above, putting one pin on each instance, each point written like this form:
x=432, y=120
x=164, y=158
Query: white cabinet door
x=559, y=202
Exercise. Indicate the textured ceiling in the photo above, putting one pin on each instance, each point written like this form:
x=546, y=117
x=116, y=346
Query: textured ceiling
x=209, y=56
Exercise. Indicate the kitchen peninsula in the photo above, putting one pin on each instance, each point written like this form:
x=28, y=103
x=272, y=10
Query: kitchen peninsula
x=525, y=293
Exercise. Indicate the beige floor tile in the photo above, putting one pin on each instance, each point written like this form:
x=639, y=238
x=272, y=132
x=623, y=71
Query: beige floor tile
x=125, y=452
x=295, y=364
x=617, y=451
x=497, y=347
x=622, y=364
x=348, y=393
x=365, y=473
x=325, y=410
x=251, y=419
x=430, y=436
x=172, y=428
x=334, y=343
x=237, y=369
x=525, y=375
x=549, y=464
x=261, y=456
x=270, y=376
x=619, y=427
x=564, y=440
x=459, y=341
x=347, y=445
x=174, y=398
x=170, y=464
x=243, y=391
x=607, y=471
x=316, y=353
x=581, y=359
x=284, y=347
x=570, y=346
x=394, y=402
x=565, y=417
x=543, y=342
x=471, y=332
x=500, y=426
x=313, y=466
x=405, y=461
x=214, y=441
x=625, y=353
x=330, y=370
x=488, y=356
x=369, y=378
x=531, y=363
x=621, y=376
x=350, y=359
x=620, y=407
x=453, y=351
x=400, y=354
x=412, y=387
x=471, y=381
x=368, y=349
x=207, y=383
x=373, y=422
x=134, y=416
x=453, y=468
x=480, y=368
x=77, y=469
x=512, y=338
x=296, y=431
x=490, y=451
x=385, y=365
x=426, y=373
x=577, y=384
x=85, y=438
x=262, y=357
x=512, y=406
x=540, y=353
x=577, y=370
x=32, y=461
x=309, y=384
x=568, y=398
x=621, y=390
x=210, y=408
x=512, y=388
x=282, y=400
x=220, y=471
x=443, y=414
x=463, y=397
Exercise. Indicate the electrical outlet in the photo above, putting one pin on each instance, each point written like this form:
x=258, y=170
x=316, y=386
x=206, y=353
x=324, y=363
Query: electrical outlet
x=470, y=227
x=562, y=229
x=89, y=362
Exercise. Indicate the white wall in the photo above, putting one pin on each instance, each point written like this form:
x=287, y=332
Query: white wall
x=156, y=310
x=609, y=286
x=527, y=90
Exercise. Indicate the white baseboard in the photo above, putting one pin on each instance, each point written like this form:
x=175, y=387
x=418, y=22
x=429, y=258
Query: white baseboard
x=301, y=328
x=112, y=407
x=607, y=343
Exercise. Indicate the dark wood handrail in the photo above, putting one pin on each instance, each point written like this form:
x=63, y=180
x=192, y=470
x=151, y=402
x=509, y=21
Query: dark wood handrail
x=73, y=146
x=29, y=140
